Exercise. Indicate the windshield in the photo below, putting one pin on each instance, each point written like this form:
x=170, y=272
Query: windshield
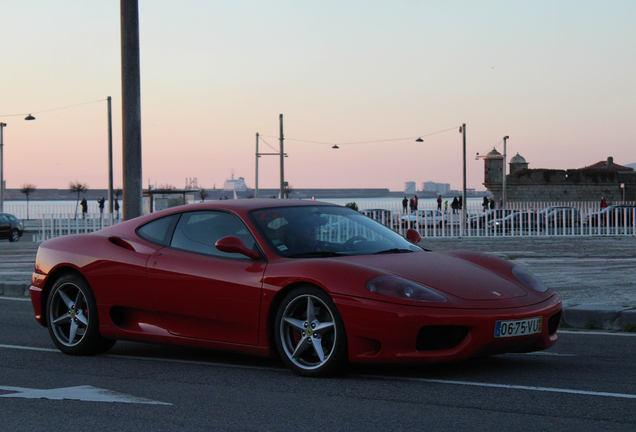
x=326, y=231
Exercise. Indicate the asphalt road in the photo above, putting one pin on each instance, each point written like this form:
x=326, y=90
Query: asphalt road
x=587, y=381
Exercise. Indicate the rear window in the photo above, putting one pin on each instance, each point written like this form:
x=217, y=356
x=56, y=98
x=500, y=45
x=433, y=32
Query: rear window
x=158, y=231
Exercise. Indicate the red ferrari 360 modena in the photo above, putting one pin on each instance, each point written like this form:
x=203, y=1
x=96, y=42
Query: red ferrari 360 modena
x=317, y=284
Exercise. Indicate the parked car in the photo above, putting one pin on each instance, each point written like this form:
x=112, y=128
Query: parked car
x=563, y=217
x=543, y=214
x=522, y=220
x=253, y=276
x=380, y=215
x=423, y=218
x=482, y=220
x=10, y=227
x=614, y=215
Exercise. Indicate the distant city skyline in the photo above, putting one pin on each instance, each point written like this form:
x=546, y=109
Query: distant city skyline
x=371, y=77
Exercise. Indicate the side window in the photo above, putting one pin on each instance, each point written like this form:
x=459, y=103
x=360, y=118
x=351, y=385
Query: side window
x=157, y=231
x=199, y=231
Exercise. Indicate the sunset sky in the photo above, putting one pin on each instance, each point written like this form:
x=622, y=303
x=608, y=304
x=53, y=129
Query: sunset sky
x=558, y=77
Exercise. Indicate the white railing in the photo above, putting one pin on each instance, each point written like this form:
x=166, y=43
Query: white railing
x=528, y=221
x=37, y=210
x=50, y=226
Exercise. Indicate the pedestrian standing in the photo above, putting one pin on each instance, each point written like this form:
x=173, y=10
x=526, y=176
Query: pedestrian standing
x=455, y=205
x=412, y=205
x=101, y=206
x=405, y=203
x=485, y=204
x=415, y=202
x=84, y=205
x=445, y=206
x=492, y=203
x=603, y=203
x=117, y=208
x=439, y=202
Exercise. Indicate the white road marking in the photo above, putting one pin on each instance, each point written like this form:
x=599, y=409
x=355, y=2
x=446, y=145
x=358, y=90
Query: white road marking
x=436, y=381
x=79, y=393
x=29, y=348
x=15, y=298
x=508, y=386
x=600, y=333
x=548, y=353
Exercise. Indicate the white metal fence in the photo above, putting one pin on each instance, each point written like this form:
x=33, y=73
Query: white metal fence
x=50, y=226
x=529, y=221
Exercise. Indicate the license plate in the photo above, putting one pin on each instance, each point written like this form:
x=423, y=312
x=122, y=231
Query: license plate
x=518, y=327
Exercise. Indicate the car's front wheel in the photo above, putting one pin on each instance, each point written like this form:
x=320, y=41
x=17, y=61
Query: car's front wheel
x=310, y=334
x=15, y=235
x=72, y=317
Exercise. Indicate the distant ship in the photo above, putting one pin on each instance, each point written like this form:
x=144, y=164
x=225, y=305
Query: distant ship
x=233, y=184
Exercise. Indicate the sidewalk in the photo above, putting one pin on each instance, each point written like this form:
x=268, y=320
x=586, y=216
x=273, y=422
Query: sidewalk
x=594, y=276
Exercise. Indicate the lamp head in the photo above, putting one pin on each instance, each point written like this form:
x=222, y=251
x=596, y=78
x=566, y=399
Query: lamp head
x=29, y=117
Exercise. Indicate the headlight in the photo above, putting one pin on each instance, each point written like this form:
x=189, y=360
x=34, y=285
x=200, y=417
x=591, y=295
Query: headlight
x=528, y=279
x=401, y=288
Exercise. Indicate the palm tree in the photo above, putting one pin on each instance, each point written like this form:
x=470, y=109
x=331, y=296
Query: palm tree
x=203, y=194
x=79, y=188
x=27, y=189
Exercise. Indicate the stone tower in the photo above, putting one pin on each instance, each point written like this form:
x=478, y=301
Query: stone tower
x=493, y=173
x=517, y=163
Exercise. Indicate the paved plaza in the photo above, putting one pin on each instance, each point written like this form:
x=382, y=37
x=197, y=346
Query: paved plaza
x=594, y=276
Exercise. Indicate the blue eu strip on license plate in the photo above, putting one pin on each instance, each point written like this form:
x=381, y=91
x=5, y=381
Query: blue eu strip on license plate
x=520, y=327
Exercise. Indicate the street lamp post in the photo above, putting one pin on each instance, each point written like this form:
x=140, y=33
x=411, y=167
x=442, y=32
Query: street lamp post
x=463, y=226
x=2, y=126
x=110, y=158
x=282, y=160
x=503, y=184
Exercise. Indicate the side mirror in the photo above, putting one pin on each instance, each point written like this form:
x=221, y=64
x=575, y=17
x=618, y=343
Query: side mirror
x=413, y=236
x=235, y=245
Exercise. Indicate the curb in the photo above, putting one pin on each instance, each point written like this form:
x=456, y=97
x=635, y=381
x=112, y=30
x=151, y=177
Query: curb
x=14, y=289
x=596, y=316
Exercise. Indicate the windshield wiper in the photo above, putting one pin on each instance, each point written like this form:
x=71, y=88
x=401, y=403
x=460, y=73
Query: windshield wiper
x=394, y=250
x=314, y=254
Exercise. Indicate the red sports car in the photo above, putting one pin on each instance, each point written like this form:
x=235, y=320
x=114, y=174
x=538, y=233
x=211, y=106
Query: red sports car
x=320, y=285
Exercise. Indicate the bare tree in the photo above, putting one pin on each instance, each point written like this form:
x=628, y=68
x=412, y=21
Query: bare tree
x=203, y=194
x=27, y=189
x=78, y=188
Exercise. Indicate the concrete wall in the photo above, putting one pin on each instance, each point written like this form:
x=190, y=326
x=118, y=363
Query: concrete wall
x=566, y=185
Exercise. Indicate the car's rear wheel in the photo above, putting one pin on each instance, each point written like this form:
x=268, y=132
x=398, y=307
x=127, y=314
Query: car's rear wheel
x=15, y=235
x=310, y=334
x=72, y=317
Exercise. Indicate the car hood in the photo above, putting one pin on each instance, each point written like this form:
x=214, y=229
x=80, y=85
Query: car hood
x=466, y=275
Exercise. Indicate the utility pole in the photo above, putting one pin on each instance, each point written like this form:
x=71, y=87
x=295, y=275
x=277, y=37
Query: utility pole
x=256, y=182
x=131, y=108
x=503, y=185
x=2, y=126
x=110, y=157
x=463, y=226
x=282, y=160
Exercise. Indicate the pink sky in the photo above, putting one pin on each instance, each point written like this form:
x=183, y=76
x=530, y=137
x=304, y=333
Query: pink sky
x=557, y=77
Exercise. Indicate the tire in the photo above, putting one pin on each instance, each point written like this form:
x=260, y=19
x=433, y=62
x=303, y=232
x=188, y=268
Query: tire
x=71, y=316
x=15, y=235
x=311, y=346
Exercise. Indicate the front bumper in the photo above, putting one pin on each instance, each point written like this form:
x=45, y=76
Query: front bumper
x=380, y=332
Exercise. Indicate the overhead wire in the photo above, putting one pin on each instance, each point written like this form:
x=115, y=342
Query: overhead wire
x=53, y=109
x=364, y=142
